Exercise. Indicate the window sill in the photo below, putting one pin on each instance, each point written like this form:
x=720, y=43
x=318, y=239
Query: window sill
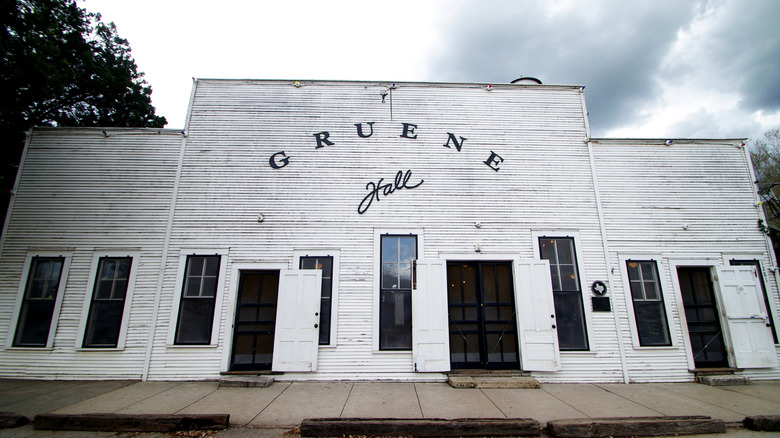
x=91, y=349
x=651, y=348
x=29, y=349
x=177, y=346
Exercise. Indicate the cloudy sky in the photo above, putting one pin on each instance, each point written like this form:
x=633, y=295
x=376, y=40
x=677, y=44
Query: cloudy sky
x=661, y=68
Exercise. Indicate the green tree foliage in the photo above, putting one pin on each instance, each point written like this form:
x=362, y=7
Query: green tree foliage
x=62, y=66
x=765, y=154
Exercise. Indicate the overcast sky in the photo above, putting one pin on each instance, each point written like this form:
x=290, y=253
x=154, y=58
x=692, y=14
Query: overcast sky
x=657, y=69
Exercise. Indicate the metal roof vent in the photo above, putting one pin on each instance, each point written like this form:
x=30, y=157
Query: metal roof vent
x=527, y=80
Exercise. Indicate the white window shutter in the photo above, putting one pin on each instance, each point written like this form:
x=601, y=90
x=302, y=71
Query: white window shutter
x=430, y=326
x=536, y=316
x=746, y=317
x=296, y=338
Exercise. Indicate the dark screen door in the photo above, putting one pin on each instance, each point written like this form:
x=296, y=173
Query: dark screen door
x=253, y=337
x=483, y=328
x=701, y=313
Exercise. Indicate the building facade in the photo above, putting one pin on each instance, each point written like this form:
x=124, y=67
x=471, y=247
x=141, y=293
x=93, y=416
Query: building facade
x=378, y=231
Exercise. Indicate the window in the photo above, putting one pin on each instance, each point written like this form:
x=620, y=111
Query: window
x=647, y=299
x=40, y=296
x=395, y=301
x=567, y=293
x=325, y=264
x=108, y=302
x=199, y=294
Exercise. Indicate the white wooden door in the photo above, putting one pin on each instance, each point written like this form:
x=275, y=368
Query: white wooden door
x=297, y=321
x=746, y=317
x=536, y=316
x=430, y=327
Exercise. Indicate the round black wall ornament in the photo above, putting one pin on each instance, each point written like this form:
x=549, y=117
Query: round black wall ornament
x=599, y=288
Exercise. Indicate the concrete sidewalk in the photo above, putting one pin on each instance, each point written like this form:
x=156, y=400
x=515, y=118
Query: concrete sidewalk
x=283, y=405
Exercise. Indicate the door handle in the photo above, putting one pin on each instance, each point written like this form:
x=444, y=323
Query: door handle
x=316, y=325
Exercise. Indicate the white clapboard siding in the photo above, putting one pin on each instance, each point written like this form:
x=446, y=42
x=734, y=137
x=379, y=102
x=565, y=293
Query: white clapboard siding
x=690, y=200
x=83, y=193
x=544, y=183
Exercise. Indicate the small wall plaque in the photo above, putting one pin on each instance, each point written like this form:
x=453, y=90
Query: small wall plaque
x=601, y=304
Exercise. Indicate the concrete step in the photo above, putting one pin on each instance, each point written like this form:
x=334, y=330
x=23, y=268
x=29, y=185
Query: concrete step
x=723, y=380
x=246, y=381
x=505, y=382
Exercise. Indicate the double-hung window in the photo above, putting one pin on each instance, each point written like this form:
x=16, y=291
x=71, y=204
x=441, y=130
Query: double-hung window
x=108, y=302
x=395, y=296
x=198, y=299
x=567, y=292
x=38, y=303
x=648, y=302
x=325, y=264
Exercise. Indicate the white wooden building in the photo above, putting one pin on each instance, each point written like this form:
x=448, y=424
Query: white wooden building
x=370, y=230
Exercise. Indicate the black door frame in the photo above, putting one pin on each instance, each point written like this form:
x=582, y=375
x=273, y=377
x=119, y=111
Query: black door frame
x=481, y=322
x=237, y=323
x=709, y=338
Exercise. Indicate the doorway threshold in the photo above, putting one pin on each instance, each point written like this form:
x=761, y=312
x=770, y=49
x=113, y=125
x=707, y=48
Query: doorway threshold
x=506, y=379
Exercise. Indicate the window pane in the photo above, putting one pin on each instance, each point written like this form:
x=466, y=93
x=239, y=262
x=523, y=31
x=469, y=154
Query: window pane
x=395, y=320
x=633, y=270
x=651, y=323
x=389, y=249
x=325, y=263
x=636, y=290
x=37, y=309
x=34, y=324
x=565, y=251
x=270, y=289
x=195, y=321
x=212, y=266
x=405, y=276
x=192, y=288
x=325, y=321
x=209, y=287
x=105, y=320
x=107, y=269
x=651, y=290
x=571, y=321
x=120, y=290
x=556, y=278
x=103, y=289
x=195, y=266
x=569, y=278
x=547, y=248
x=389, y=276
x=407, y=249
x=35, y=289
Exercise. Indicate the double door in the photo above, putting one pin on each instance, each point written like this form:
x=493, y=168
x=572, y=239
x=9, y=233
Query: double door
x=482, y=319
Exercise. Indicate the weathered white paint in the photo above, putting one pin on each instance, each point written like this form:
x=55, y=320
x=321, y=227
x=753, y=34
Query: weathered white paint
x=430, y=326
x=296, y=336
x=157, y=193
x=745, y=317
x=536, y=316
x=80, y=194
